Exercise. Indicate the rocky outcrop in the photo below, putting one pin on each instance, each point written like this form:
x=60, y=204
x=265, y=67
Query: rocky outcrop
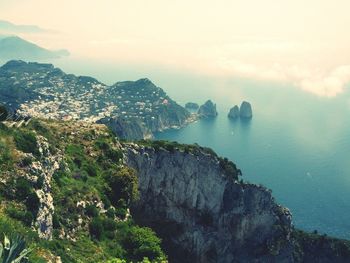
x=245, y=111
x=234, y=112
x=208, y=110
x=191, y=106
x=127, y=129
x=204, y=215
x=43, y=170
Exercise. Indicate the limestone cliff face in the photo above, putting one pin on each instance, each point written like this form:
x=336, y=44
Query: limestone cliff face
x=204, y=215
x=127, y=129
x=44, y=169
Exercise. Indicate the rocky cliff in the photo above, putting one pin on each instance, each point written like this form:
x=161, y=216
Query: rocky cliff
x=67, y=187
x=204, y=214
x=193, y=199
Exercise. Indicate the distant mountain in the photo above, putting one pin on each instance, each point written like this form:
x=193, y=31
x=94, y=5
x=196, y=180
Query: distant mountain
x=14, y=47
x=13, y=28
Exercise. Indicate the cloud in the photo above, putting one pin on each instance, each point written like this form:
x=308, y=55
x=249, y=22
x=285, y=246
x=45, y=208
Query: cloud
x=307, y=66
x=329, y=84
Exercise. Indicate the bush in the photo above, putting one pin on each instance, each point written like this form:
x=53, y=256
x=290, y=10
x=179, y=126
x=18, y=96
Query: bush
x=110, y=213
x=23, y=188
x=26, y=142
x=122, y=184
x=121, y=213
x=91, y=211
x=33, y=203
x=24, y=216
x=142, y=242
x=230, y=168
x=6, y=157
x=96, y=228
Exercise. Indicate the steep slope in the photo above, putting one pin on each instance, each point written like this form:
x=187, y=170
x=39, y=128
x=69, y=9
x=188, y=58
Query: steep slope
x=64, y=189
x=67, y=188
x=194, y=200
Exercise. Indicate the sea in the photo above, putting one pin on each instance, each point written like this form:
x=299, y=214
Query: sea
x=297, y=144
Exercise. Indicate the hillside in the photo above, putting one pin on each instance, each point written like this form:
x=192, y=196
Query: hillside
x=14, y=47
x=133, y=109
x=77, y=194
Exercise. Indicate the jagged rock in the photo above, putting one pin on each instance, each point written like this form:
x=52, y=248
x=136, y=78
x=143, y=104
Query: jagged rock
x=234, y=112
x=246, y=110
x=191, y=106
x=45, y=169
x=127, y=129
x=202, y=214
x=207, y=110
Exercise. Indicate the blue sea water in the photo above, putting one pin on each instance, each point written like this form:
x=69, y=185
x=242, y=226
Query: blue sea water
x=297, y=144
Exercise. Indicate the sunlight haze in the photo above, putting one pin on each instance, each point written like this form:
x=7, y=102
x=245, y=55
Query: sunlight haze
x=301, y=43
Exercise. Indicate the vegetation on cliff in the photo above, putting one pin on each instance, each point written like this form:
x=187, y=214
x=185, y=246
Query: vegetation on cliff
x=65, y=190
x=91, y=192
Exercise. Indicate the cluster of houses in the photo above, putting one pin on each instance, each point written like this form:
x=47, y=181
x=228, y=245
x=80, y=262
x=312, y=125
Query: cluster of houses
x=66, y=97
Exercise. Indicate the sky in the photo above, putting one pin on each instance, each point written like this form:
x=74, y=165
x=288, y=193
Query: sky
x=303, y=43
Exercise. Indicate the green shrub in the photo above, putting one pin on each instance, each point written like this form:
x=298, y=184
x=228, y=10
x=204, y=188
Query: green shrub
x=121, y=212
x=230, y=168
x=6, y=158
x=96, y=228
x=23, y=188
x=32, y=202
x=24, y=216
x=142, y=242
x=122, y=185
x=91, y=211
x=26, y=142
x=110, y=213
x=109, y=224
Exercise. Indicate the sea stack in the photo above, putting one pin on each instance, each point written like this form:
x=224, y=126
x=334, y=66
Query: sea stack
x=208, y=110
x=191, y=106
x=234, y=112
x=245, y=111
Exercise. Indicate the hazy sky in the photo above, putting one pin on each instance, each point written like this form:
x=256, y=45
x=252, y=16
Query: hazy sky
x=303, y=42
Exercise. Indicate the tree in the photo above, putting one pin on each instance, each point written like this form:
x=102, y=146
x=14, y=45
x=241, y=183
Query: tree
x=122, y=184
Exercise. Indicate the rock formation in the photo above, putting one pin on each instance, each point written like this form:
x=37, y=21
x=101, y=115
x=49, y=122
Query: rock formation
x=234, y=112
x=43, y=170
x=191, y=106
x=202, y=214
x=127, y=129
x=208, y=110
x=245, y=111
